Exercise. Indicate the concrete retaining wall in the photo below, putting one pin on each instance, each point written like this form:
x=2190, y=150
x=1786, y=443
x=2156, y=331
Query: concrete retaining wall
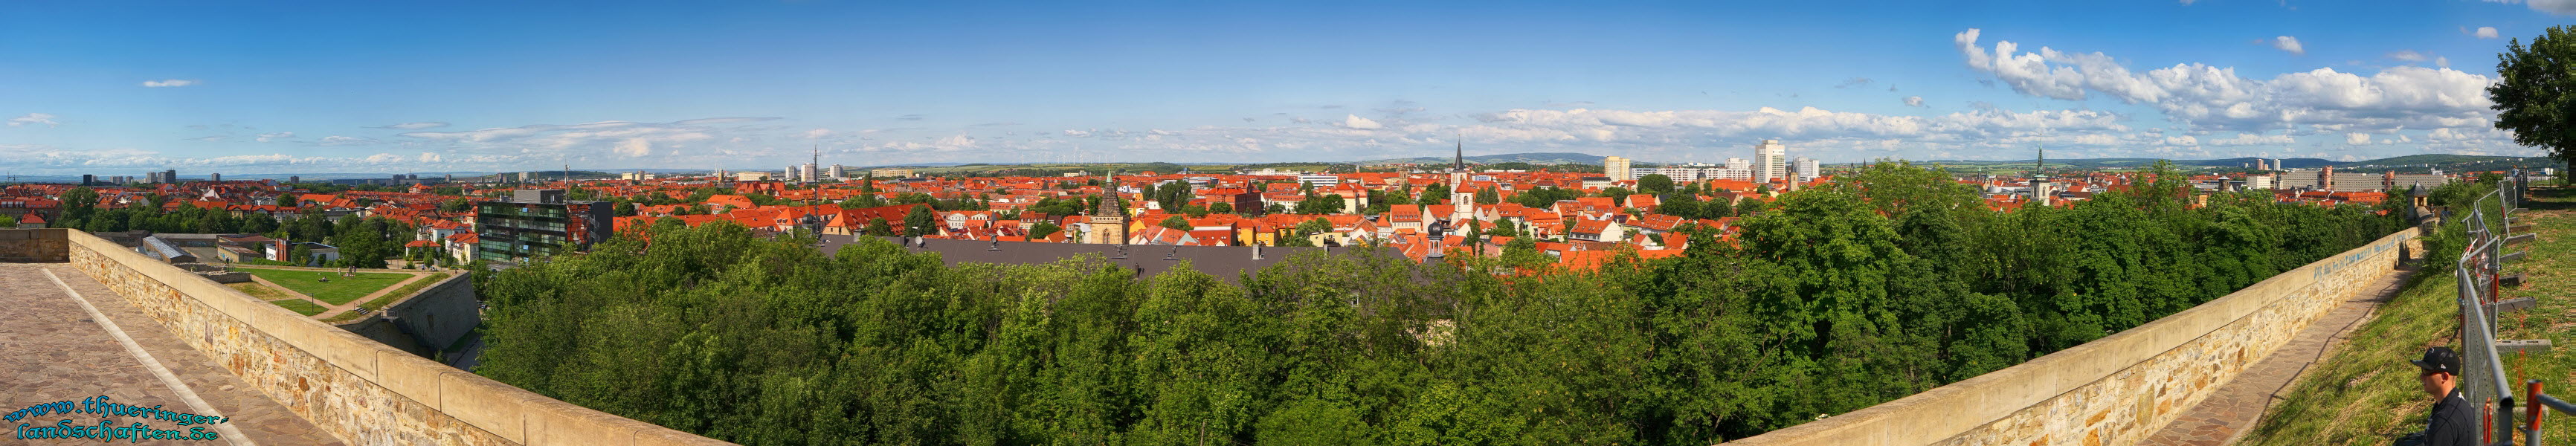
x=2118, y=389
x=427, y=321
x=355, y=388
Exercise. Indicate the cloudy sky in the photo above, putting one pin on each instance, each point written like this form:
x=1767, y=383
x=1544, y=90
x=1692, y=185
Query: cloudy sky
x=242, y=88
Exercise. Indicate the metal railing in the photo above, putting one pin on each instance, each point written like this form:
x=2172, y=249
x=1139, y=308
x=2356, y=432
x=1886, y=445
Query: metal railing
x=2489, y=222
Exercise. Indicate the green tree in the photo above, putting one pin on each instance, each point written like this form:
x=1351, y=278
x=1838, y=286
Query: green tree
x=1043, y=229
x=877, y=226
x=1656, y=183
x=1503, y=227
x=919, y=222
x=1176, y=222
x=2536, y=99
x=79, y=203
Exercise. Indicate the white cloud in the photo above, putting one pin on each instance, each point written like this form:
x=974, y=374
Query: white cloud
x=2356, y=138
x=1913, y=101
x=705, y=121
x=635, y=147
x=416, y=125
x=2407, y=55
x=2560, y=7
x=33, y=118
x=337, y=140
x=2213, y=98
x=169, y=83
x=818, y=133
x=1357, y=122
x=2483, y=32
x=266, y=137
x=2248, y=139
x=2290, y=44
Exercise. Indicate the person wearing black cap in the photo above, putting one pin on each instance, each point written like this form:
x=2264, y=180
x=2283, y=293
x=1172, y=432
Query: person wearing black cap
x=2454, y=421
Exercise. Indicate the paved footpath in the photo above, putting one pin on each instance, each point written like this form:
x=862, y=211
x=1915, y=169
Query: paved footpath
x=52, y=349
x=2224, y=416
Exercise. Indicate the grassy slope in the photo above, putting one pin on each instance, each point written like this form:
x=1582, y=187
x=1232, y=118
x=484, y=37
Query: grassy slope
x=2366, y=393
x=339, y=290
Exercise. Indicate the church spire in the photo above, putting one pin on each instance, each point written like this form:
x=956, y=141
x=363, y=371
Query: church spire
x=2040, y=166
x=1462, y=153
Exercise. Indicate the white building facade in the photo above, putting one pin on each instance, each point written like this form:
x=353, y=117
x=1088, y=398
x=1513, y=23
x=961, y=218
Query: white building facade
x=1770, y=161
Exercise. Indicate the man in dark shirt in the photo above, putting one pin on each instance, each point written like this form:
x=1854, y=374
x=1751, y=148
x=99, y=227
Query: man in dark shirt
x=2454, y=422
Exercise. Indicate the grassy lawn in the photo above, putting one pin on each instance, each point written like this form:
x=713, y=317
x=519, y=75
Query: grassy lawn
x=301, y=306
x=262, y=292
x=2366, y=393
x=339, y=290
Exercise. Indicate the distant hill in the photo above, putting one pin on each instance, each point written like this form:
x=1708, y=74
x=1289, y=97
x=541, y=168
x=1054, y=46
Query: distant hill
x=1532, y=158
x=2432, y=158
x=2092, y=163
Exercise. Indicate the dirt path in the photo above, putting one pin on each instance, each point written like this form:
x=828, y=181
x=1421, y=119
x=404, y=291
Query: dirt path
x=335, y=310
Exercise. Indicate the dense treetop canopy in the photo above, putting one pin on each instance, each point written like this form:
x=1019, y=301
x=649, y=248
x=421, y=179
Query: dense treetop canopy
x=1838, y=297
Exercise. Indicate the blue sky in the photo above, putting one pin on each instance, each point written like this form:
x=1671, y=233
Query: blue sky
x=120, y=88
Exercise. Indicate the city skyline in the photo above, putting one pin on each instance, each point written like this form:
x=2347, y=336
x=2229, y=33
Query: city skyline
x=259, y=89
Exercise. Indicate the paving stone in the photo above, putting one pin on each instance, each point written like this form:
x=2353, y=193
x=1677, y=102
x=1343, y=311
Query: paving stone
x=53, y=351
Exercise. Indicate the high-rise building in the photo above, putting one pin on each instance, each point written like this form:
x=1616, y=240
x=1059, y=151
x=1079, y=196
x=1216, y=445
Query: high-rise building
x=170, y=176
x=1770, y=161
x=1739, y=163
x=839, y=173
x=214, y=177
x=1809, y=169
x=1618, y=168
x=537, y=223
x=87, y=179
x=294, y=179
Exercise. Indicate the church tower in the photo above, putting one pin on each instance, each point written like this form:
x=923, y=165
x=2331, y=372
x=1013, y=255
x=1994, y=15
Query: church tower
x=2039, y=179
x=1462, y=199
x=1109, y=220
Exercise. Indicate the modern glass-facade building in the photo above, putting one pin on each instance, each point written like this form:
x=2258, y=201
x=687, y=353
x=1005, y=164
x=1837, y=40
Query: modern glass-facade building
x=538, y=223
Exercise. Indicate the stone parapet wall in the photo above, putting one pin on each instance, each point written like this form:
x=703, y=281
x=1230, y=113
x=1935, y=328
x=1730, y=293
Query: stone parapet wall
x=2118, y=389
x=352, y=387
x=35, y=245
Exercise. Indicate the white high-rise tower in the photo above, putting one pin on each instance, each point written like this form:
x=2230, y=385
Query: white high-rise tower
x=1770, y=161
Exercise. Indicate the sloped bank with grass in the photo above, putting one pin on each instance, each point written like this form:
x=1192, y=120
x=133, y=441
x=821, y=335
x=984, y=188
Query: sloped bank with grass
x=2366, y=393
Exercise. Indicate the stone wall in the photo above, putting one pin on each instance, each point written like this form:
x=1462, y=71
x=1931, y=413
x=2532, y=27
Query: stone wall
x=34, y=245
x=357, y=389
x=2118, y=389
